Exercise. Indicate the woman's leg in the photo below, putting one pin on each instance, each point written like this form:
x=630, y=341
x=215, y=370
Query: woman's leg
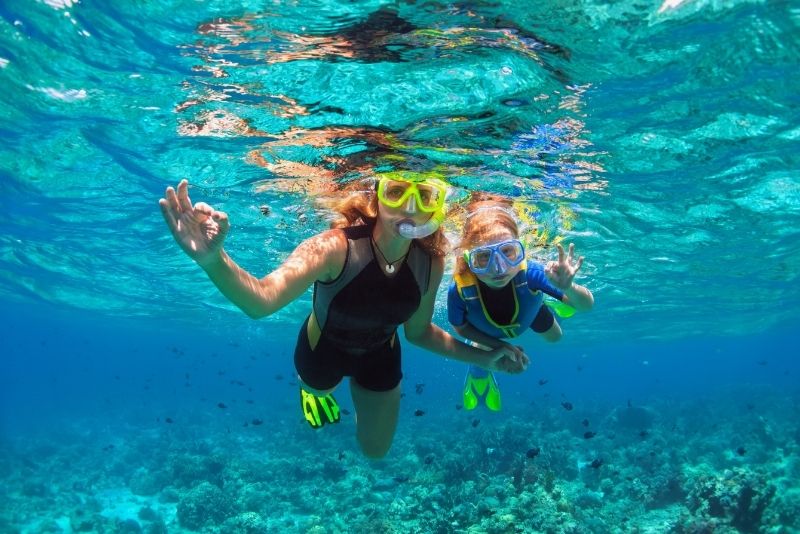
x=376, y=418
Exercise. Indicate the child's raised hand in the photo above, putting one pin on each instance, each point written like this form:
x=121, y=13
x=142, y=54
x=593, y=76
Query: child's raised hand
x=562, y=272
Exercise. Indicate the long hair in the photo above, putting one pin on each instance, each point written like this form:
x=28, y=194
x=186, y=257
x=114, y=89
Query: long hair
x=357, y=205
x=485, y=213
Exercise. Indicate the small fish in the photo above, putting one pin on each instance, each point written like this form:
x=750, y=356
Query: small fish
x=221, y=405
x=109, y=447
x=428, y=459
x=459, y=407
x=585, y=422
x=168, y=420
x=341, y=456
x=597, y=462
x=763, y=362
x=419, y=388
x=419, y=413
x=475, y=423
x=567, y=405
x=264, y=209
x=741, y=451
x=589, y=434
x=345, y=411
x=533, y=452
x=643, y=434
x=543, y=381
x=400, y=478
x=278, y=377
x=249, y=401
x=257, y=422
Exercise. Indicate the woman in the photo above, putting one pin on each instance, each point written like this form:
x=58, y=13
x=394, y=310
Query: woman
x=497, y=294
x=378, y=268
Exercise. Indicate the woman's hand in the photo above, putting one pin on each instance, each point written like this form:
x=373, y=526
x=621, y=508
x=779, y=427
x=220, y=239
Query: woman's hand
x=562, y=272
x=199, y=230
x=509, y=359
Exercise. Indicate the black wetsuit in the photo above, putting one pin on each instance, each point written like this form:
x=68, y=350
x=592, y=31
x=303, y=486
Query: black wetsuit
x=358, y=314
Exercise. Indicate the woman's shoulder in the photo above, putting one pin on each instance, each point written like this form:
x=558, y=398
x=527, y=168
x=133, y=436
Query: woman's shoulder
x=329, y=247
x=333, y=238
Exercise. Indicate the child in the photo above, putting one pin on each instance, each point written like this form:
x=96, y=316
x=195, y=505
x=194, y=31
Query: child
x=497, y=294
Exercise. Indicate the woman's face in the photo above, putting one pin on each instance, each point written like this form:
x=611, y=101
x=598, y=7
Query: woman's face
x=496, y=278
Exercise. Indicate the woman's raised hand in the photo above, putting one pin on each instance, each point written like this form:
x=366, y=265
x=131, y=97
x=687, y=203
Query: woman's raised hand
x=199, y=230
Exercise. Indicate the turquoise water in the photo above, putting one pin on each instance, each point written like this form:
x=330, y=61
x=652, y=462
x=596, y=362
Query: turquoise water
x=660, y=139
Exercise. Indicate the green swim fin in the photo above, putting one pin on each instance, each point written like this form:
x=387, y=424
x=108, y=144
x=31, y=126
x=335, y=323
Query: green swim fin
x=480, y=384
x=564, y=311
x=319, y=411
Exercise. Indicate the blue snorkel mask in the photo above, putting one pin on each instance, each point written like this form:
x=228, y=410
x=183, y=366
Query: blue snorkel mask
x=495, y=259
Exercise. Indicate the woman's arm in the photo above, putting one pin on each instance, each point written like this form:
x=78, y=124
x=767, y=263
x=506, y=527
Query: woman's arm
x=473, y=334
x=314, y=259
x=422, y=332
x=200, y=230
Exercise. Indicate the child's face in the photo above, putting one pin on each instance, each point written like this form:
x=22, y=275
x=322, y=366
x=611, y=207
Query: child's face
x=497, y=278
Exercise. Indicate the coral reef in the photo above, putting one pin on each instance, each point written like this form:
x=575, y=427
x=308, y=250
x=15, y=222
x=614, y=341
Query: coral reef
x=641, y=471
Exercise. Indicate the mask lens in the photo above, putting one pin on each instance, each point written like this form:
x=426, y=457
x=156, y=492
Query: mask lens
x=479, y=259
x=430, y=197
x=512, y=252
x=393, y=192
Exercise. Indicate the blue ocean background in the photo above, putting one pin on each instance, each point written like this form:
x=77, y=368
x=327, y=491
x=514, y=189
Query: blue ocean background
x=662, y=139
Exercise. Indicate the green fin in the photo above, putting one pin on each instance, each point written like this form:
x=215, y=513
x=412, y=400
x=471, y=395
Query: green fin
x=319, y=411
x=476, y=388
x=565, y=311
x=493, y=400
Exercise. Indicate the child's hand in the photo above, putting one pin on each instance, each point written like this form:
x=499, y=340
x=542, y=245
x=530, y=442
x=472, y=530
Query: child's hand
x=562, y=272
x=509, y=359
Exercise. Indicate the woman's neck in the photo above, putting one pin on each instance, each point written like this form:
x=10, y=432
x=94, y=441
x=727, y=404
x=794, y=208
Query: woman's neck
x=392, y=245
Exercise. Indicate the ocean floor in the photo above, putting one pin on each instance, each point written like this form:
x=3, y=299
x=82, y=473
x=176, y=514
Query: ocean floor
x=729, y=463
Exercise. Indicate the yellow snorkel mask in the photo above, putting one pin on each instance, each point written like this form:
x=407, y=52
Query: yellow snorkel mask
x=417, y=191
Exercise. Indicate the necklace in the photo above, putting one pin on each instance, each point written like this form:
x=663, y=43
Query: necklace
x=389, y=266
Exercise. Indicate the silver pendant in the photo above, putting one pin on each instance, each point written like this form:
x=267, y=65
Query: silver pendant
x=389, y=268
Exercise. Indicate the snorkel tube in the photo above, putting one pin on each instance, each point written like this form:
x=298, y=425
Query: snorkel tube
x=409, y=230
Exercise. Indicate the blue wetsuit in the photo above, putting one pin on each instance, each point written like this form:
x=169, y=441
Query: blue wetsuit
x=505, y=312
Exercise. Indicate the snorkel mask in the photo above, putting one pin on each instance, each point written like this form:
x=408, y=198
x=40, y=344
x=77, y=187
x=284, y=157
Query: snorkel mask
x=497, y=259
x=424, y=194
